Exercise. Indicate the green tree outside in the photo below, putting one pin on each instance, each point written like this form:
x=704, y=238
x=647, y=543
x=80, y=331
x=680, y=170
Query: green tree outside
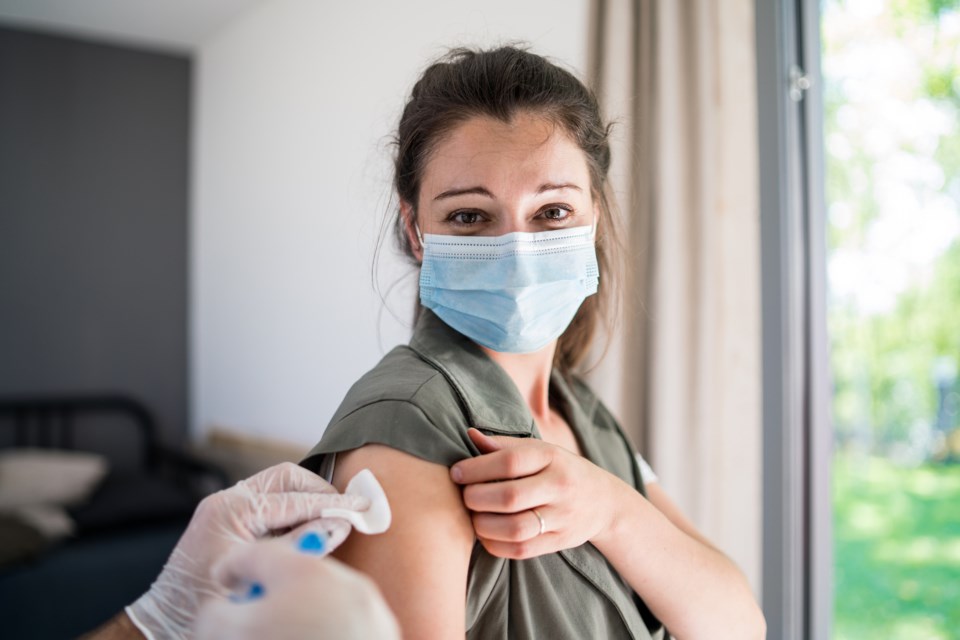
x=891, y=106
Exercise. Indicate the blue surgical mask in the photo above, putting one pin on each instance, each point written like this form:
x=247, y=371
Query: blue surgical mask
x=513, y=293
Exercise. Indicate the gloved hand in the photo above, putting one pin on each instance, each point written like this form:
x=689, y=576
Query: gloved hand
x=270, y=502
x=286, y=593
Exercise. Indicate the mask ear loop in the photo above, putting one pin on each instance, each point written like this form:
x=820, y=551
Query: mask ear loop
x=416, y=228
x=593, y=231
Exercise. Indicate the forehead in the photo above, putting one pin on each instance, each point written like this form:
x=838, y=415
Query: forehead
x=483, y=151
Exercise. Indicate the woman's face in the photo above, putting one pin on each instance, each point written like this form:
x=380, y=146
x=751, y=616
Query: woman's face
x=488, y=178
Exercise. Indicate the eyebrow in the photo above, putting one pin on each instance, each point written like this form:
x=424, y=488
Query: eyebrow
x=483, y=191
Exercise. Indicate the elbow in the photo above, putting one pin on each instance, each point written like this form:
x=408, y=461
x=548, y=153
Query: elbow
x=753, y=624
x=744, y=616
x=761, y=629
x=756, y=624
x=736, y=623
x=749, y=623
x=761, y=626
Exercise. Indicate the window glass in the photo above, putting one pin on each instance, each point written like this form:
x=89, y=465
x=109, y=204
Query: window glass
x=891, y=97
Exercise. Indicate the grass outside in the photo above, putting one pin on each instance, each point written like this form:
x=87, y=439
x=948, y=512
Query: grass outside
x=896, y=550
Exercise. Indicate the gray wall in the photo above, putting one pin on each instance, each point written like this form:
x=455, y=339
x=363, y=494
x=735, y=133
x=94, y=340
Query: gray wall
x=94, y=144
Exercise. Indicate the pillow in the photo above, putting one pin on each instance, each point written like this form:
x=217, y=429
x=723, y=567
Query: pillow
x=48, y=477
x=52, y=522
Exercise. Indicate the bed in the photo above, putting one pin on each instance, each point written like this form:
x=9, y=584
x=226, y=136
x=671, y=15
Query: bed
x=102, y=549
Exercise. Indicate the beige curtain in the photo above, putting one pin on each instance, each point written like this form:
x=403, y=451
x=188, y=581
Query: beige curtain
x=683, y=373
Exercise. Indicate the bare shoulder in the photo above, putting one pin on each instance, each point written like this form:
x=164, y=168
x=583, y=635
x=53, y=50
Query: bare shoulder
x=420, y=563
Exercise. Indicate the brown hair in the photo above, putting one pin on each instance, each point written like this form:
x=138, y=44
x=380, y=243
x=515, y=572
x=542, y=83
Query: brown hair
x=501, y=83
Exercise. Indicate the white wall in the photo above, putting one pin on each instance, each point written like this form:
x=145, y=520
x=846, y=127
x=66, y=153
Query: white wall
x=295, y=103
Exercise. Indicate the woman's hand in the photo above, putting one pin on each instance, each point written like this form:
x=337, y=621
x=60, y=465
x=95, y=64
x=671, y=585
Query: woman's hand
x=667, y=566
x=518, y=479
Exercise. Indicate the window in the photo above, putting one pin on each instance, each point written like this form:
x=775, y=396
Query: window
x=891, y=93
x=860, y=224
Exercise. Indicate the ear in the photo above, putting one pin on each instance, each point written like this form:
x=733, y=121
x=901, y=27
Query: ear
x=597, y=218
x=407, y=214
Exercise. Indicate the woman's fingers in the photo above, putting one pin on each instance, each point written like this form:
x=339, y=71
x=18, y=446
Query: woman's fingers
x=486, y=444
x=538, y=546
x=514, y=527
x=506, y=488
x=509, y=496
x=574, y=498
x=523, y=459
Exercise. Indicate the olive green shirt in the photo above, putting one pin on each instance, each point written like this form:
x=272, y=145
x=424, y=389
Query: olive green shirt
x=421, y=399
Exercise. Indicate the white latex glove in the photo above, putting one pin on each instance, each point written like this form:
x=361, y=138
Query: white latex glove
x=286, y=593
x=271, y=502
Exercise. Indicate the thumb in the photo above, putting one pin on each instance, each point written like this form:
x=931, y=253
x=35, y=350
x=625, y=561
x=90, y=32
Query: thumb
x=489, y=444
x=278, y=511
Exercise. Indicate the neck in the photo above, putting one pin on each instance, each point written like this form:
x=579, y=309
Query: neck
x=531, y=373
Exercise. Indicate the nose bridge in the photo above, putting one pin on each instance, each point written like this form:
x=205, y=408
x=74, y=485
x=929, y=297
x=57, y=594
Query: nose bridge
x=515, y=219
x=516, y=211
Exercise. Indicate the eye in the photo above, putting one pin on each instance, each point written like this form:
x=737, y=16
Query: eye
x=464, y=217
x=556, y=212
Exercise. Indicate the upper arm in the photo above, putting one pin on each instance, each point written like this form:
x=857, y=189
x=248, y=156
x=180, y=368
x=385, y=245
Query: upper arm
x=420, y=563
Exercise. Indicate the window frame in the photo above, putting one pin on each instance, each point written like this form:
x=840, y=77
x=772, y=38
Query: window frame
x=797, y=591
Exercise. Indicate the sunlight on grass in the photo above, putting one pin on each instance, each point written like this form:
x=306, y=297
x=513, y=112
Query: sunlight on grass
x=868, y=520
x=897, y=549
x=919, y=551
x=929, y=483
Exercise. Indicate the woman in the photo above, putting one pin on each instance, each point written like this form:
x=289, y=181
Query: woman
x=519, y=507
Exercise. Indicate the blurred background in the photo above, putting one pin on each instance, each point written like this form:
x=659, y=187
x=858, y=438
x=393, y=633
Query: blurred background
x=891, y=98
x=197, y=263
